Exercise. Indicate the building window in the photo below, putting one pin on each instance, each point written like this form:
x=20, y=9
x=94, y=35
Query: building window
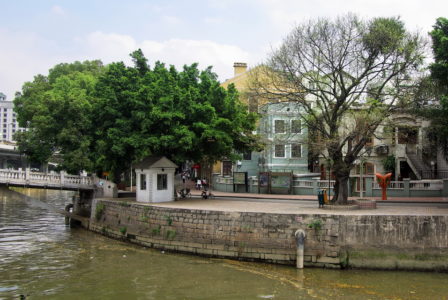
x=162, y=182
x=296, y=126
x=296, y=150
x=247, y=155
x=407, y=135
x=367, y=169
x=279, y=151
x=226, y=168
x=5, y=115
x=4, y=136
x=358, y=187
x=142, y=182
x=279, y=126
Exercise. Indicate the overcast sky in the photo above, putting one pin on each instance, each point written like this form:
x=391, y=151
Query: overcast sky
x=37, y=34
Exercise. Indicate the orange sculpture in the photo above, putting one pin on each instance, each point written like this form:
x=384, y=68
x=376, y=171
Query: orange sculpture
x=383, y=181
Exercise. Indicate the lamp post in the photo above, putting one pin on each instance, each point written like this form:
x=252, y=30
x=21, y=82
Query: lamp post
x=361, y=182
x=433, y=173
x=329, y=177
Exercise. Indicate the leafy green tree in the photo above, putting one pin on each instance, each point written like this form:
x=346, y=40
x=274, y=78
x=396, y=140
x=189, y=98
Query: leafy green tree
x=439, y=69
x=56, y=109
x=160, y=111
x=104, y=118
x=435, y=88
x=349, y=75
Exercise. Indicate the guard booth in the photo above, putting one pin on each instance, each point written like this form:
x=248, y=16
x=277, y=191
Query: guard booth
x=155, y=179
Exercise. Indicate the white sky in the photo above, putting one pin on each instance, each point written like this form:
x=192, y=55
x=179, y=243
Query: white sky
x=36, y=35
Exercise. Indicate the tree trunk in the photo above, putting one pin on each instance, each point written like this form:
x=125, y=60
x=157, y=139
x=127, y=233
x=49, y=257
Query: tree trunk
x=341, y=190
x=342, y=174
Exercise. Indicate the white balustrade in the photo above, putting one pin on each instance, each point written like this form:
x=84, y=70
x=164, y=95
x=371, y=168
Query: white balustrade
x=324, y=184
x=304, y=184
x=392, y=185
x=52, y=179
x=426, y=185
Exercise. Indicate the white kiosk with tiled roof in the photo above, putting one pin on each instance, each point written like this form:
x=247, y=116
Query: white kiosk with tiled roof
x=155, y=179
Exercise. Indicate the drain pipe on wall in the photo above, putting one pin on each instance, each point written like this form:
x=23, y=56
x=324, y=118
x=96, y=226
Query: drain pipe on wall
x=300, y=241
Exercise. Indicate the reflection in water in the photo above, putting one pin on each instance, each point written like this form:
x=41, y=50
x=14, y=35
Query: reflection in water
x=42, y=258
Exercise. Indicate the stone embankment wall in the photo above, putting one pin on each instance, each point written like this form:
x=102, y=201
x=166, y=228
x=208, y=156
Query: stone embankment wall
x=333, y=241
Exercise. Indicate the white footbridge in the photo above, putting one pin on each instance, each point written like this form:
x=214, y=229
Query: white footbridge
x=62, y=180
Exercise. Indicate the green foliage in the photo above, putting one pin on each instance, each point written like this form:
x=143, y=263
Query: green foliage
x=439, y=69
x=170, y=234
x=104, y=118
x=56, y=109
x=389, y=164
x=123, y=230
x=436, y=87
x=169, y=220
x=316, y=224
x=161, y=111
x=156, y=230
x=144, y=218
x=124, y=204
x=99, y=211
x=384, y=35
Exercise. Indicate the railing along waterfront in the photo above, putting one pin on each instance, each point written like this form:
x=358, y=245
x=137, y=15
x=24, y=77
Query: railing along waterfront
x=413, y=185
x=304, y=184
x=391, y=185
x=324, y=184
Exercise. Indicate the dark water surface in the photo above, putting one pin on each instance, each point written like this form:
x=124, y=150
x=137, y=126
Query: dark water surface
x=41, y=258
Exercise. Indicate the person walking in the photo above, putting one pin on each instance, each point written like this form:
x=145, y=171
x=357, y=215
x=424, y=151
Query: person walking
x=198, y=184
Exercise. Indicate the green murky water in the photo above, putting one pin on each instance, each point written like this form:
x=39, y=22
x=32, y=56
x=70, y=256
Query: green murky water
x=41, y=258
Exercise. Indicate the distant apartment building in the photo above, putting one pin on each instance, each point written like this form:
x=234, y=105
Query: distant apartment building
x=8, y=120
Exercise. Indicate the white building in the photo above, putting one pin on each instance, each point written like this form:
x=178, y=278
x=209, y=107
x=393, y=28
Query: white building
x=155, y=179
x=8, y=120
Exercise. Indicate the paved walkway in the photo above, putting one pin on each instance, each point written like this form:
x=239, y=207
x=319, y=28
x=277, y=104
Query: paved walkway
x=314, y=198
x=306, y=204
x=189, y=184
x=289, y=207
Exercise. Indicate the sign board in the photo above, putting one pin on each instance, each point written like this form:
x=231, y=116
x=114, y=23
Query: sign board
x=239, y=177
x=263, y=179
x=280, y=181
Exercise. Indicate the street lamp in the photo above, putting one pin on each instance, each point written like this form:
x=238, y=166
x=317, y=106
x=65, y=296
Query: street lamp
x=329, y=176
x=361, y=162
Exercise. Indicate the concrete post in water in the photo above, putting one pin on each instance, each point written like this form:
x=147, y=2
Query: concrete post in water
x=300, y=241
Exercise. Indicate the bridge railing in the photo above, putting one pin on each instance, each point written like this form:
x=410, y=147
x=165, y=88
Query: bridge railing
x=42, y=177
x=26, y=177
x=12, y=174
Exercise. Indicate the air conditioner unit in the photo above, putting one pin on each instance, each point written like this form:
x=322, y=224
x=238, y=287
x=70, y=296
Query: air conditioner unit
x=382, y=150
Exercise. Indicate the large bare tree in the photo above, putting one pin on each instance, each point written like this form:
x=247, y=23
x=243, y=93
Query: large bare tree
x=350, y=75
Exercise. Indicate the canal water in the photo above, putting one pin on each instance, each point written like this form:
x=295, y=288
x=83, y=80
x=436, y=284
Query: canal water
x=41, y=258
